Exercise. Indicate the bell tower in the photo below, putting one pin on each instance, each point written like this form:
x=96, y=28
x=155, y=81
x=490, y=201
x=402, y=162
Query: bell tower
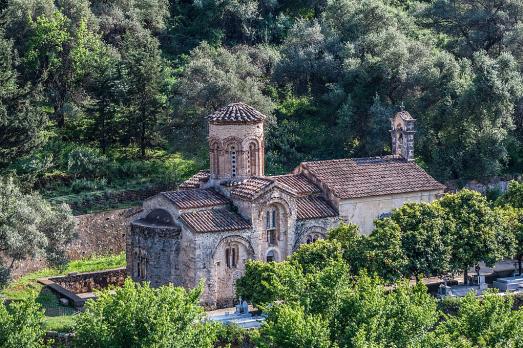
x=403, y=135
x=236, y=144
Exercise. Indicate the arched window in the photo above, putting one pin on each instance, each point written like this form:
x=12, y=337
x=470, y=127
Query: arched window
x=271, y=256
x=271, y=225
x=399, y=145
x=313, y=237
x=253, y=159
x=231, y=256
x=141, y=266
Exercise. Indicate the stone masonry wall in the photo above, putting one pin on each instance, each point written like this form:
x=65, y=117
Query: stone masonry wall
x=87, y=282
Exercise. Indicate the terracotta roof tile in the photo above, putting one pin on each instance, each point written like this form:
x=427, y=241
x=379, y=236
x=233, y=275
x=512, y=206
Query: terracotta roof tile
x=314, y=207
x=236, y=113
x=404, y=115
x=250, y=187
x=298, y=183
x=214, y=220
x=195, y=198
x=363, y=177
x=195, y=180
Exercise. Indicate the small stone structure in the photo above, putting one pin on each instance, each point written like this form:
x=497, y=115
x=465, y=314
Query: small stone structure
x=88, y=282
x=232, y=213
x=76, y=287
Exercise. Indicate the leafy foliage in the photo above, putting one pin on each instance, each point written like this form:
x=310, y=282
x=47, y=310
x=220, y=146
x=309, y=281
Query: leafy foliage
x=22, y=325
x=477, y=232
x=30, y=226
x=137, y=315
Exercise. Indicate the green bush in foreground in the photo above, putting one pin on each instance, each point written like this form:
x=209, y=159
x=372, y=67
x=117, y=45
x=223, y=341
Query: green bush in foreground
x=137, y=315
x=22, y=324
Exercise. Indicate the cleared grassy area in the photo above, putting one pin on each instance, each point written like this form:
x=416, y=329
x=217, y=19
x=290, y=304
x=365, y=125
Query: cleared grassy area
x=27, y=285
x=58, y=317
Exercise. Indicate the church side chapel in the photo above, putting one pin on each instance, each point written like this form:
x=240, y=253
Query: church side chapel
x=220, y=218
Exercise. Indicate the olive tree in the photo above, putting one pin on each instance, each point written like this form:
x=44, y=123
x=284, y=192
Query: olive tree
x=30, y=226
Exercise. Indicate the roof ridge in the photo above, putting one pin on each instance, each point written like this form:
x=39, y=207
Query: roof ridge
x=237, y=112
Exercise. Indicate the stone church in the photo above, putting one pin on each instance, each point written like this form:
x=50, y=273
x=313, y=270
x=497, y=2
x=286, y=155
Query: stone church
x=219, y=219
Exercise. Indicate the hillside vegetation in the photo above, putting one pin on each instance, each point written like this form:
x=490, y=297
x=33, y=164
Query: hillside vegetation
x=98, y=95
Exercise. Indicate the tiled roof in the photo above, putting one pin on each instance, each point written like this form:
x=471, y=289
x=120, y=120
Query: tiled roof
x=314, y=207
x=404, y=115
x=298, y=183
x=195, y=198
x=195, y=180
x=363, y=177
x=250, y=187
x=236, y=113
x=214, y=220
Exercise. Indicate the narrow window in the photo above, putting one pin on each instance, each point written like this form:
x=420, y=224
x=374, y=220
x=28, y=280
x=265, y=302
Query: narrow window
x=232, y=155
x=215, y=159
x=271, y=218
x=231, y=256
x=253, y=159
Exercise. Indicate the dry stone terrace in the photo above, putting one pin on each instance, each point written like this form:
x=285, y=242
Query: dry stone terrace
x=231, y=213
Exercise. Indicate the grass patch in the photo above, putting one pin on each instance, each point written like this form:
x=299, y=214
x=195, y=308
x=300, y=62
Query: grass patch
x=63, y=323
x=27, y=285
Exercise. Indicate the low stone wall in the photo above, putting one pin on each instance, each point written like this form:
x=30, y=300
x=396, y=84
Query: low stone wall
x=87, y=282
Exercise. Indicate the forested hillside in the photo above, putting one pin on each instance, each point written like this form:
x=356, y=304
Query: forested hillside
x=99, y=93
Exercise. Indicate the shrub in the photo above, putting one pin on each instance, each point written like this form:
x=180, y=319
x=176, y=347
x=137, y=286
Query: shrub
x=86, y=162
x=22, y=324
x=137, y=315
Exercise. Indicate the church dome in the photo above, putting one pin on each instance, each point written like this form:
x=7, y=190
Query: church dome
x=236, y=113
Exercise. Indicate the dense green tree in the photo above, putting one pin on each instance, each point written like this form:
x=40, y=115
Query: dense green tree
x=511, y=203
x=352, y=244
x=477, y=232
x=146, y=76
x=316, y=256
x=266, y=282
x=213, y=78
x=489, y=321
x=513, y=222
x=97, y=71
x=22, y=118
x=423, y=238
x=513, y=196
x=371, y=316
x=474, y=25
x=31, y=226
x=384, y=254
x=22, y=324
x=289, y=326
x=137, y=315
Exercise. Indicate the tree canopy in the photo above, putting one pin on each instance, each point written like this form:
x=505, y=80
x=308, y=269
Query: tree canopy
x=329, y=74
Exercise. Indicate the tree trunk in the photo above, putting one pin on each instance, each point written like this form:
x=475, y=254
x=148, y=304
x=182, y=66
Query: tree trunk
x=520, y=261
x=466, y=276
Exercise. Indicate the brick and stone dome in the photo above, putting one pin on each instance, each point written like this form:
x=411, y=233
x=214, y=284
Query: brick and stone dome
x=236, y=113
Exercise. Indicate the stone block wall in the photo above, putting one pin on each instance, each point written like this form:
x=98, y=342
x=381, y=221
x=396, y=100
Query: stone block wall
x=87, y=282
